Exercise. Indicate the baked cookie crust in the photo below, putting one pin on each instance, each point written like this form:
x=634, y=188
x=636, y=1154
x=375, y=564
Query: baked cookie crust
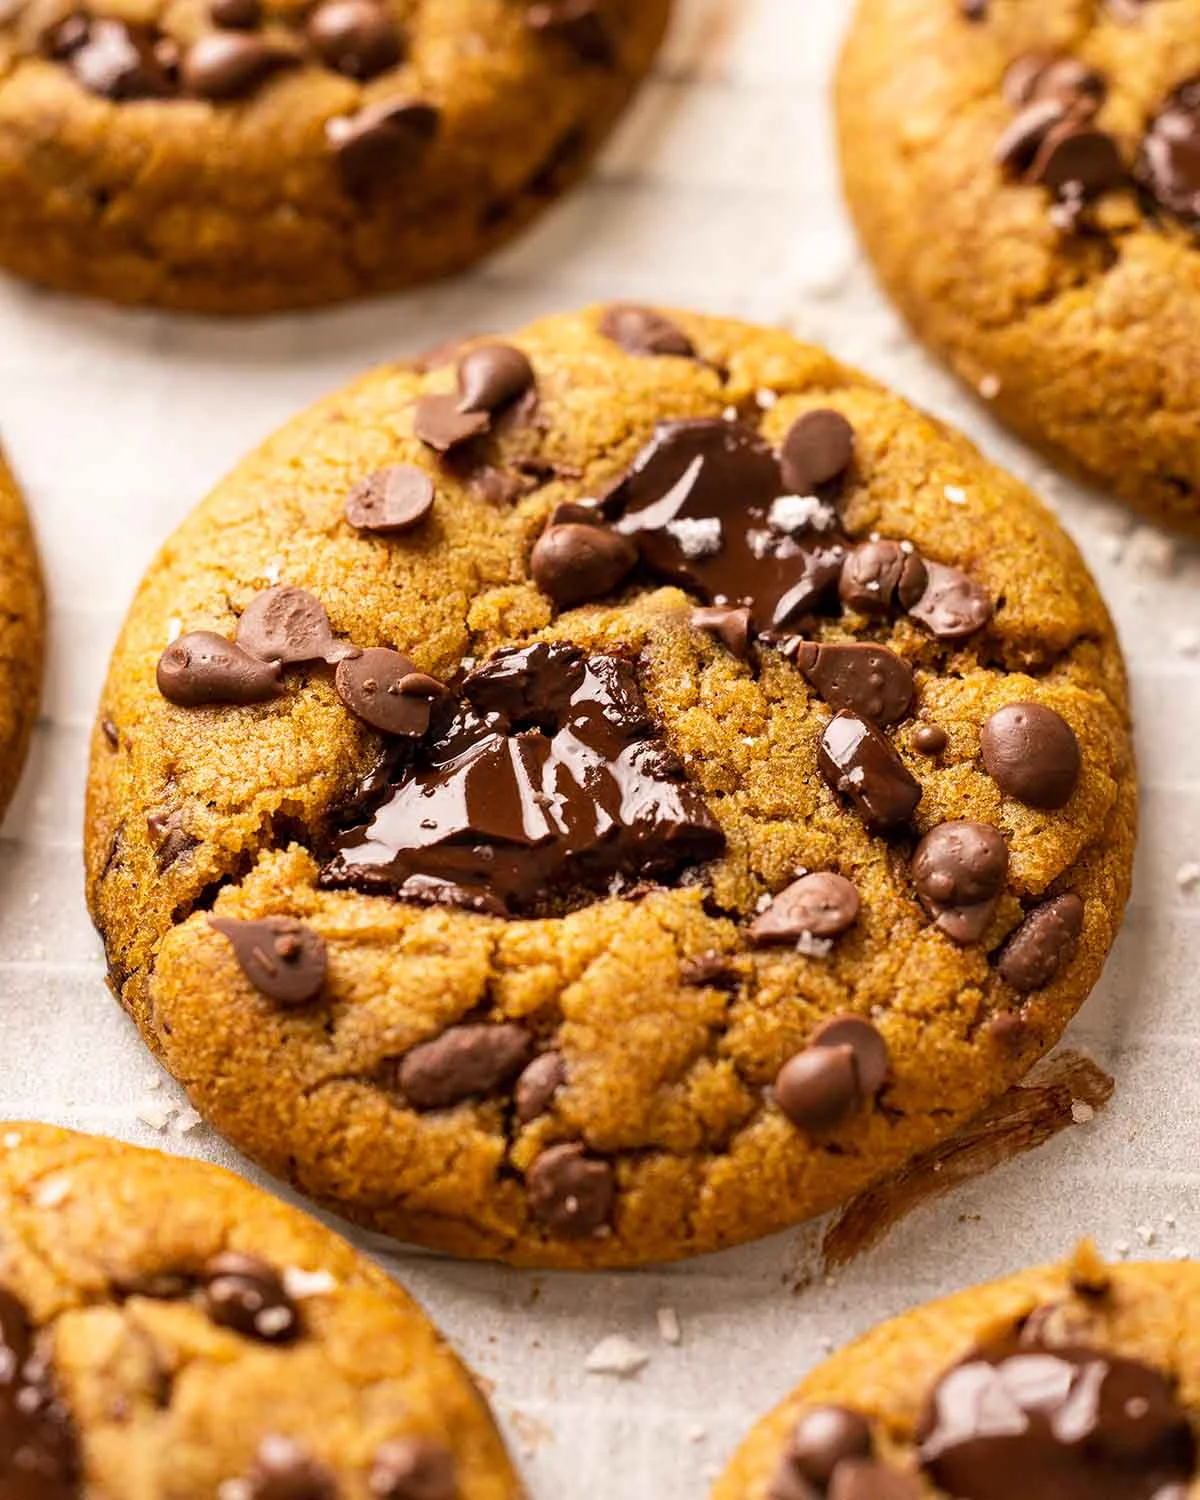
x=22, y=633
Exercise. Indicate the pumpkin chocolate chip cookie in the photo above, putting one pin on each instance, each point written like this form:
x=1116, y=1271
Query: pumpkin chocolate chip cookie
x=22, y=632
x=1026, y=179
x=1070, y=1382
x=608, y=793
x=243, y=156
x=168, y=1331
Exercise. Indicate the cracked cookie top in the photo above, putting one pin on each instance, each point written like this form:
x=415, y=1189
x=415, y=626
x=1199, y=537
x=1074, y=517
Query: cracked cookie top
x=1064, y=1383
x=1027, y=179
x=161, y=1319
x=604, y=794
x=250, y=155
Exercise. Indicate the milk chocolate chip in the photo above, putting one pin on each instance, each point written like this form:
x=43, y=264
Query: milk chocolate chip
x=1044, y=941
x=391, y=501
x=841, y=1070
x=281, y=957
x=960, y=869
x=821, y=905
x=570, y=1192
x=465, y=1062
x=203, y=668
x=1032, y=754
x=246, y=1294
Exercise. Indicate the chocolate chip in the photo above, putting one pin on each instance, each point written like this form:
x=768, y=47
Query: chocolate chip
x=580, y=25
x=838, y=1073
x=570, y=1192
x=413, y=1468
x=236, y=15
x=376, y=145
x=952, y=605
x=386, y=691
x=820, y=905
x=283, y=959
x=39, y=1455
x=288, y=625
x=171, y=841
x=730, y=626
x=465, y=1062
x=203, y=668
x=1044, y=941
x=355, y=37
x=860, y=763
x=1009, y=1029
x=1079, y=156
x=442, y=425
x=576, y=563
x=230, y=64
x=538, y=1084
x=283, y=1470
x=824, y=1437
x=491, y=376
x=817, y=449
x=246, y=1294
x=1038, y=75
x=930, y=739
x=709, y=970
x=864, y=1479
x=879, y=575
x=1032, y=754
x=1168, y=166
x=111, y=733
x=117, y=60
x=1020, y=142
x=973, y=10
x=959, y=870
x=391, y=501
x=870, y=680
x=641, y=331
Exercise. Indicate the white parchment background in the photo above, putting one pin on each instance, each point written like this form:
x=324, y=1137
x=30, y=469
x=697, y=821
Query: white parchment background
x=721, y=193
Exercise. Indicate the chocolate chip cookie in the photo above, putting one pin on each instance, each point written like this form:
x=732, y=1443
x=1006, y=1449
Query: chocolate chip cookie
x=244, y=156
x=22, y=632
x=1066, y=1383
x=168, y=1331
x=607, y=793
x=1027, y=181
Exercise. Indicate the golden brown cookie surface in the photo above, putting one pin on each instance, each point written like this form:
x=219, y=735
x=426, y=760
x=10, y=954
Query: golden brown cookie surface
x=167, y=1330
x=1027, y=181
x=1060, y=1383
x=708, y=914
x=22, y=633
x=238, y=156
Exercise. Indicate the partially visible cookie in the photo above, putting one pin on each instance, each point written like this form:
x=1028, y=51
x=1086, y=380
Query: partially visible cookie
x=1026, y=178
x=243, y=156
x=1072, y=1382
x=169, y=1332
x=611, y=795
x=22, y=633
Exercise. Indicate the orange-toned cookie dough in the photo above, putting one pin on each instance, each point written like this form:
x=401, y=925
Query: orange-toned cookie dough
x=22, y=633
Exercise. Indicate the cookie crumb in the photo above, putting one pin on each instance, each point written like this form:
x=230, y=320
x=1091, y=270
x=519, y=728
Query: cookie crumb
x=1082, y=1112
x=1187, y=876
x=154, y=1113
x=186, y=1120
x=616, y=1355
x=669, y=1329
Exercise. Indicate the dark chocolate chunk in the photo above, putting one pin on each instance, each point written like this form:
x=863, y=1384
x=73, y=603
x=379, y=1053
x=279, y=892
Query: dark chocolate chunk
x=204, y=668
x=283, y=959
x=699, y=501
x=641, y=331
x=1040, y=75
x=236, y=15
x=840, y=1071
x=1022, y=139
x=1078, y=155
x=413, y=1468
x=546, y=773
x=860, y=763
x=232, y=64
x=820, y=905
x=491, y=376
x=355, y=37
x=385, y=690
x=1016, y=1417
x=866, y=1479
x=709, y=970
x=730, y=626
x=570, y=1192
x=289, y=625
x=1168, y=165
x=577, y=562
x=382, y=141
x=114, y=58
x=538, y=1084
x=1044, y=941
x=817, y=449
x=39, y=1453
x=1032, y=754
x=246, y=1294
x=284, y=1470
x=959, y=870
x=391, y=501
x=170, y=839
x=465, y=1062
x=870, y=680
